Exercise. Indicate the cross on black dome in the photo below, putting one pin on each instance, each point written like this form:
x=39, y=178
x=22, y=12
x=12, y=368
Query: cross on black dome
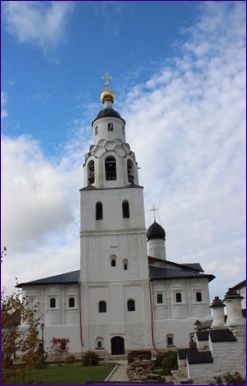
x=155, y=231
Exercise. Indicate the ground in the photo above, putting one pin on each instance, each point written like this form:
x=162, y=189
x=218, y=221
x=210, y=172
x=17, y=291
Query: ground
x=66, y=374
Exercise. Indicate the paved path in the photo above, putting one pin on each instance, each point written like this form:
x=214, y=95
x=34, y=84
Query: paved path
x=120, y=375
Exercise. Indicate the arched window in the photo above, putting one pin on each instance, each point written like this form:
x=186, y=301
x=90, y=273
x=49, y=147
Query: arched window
x=99, y=211
x=110, y=126
x=90, y=172
x=102, y=306
x=131, y=305
x=96, y=130
x=71, y=302
x=125, y=209
x=110, y=169
x=169, y=340
x=125, y=264
x=113, y=260
x=130, y=171
x=52, y=302
x=99, y=343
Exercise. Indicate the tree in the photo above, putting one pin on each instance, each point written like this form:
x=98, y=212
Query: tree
x=19, y=333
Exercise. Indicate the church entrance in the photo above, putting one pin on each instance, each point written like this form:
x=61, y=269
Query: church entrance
x=117, y=345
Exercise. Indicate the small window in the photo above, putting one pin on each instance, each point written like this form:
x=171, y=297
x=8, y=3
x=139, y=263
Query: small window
x=110, y=127
x=125, y=264
x=90, y=172
x=102, y=306
x=113, y=260
x=52, y=303
x=169, y=340
x=123, y=130
x=131, y=305
x=125, y=209
x=96, y=130
x=99, y=211
x=130, y=170
x=99, y=343
x=198, y=296
x=159, y=298
x=71, y=302
x=110, y=169
x=178, y=297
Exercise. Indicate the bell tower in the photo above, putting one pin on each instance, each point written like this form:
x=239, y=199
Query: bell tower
x=114, y=263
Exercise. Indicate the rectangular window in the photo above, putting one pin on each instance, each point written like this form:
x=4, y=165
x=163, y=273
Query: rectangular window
x=178, y=297
x=159, y=298
x=71, y=302
x=52, y=303
x=198, y=296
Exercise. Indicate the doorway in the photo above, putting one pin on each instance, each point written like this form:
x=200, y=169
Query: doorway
x=117, y=345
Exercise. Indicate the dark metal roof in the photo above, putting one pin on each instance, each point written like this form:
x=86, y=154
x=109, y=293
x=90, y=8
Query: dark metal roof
x=217, y=302
x=232, y=293
x=182, y=353
x=64, y=278
x=157, y=273
x=240, y=285
x=196, y=357
x=194, y=266
x=203, y=325
x=224, y=335
x=108, y=112
x=155, y=231
x=202, y=335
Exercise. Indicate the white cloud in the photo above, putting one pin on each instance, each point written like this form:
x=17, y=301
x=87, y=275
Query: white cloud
x=40, y=208
x=40, y=23
x=186, y=125
x=4, y=112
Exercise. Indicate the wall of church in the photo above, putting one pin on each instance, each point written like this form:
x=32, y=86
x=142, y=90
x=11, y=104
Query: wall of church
x=179, y=316
x=58, y=312
x=117, y=319
x=114, y=235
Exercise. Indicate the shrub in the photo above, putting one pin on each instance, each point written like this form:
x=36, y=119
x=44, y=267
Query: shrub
x=69, y=359
x=90, y=358
x=169, y=362
x=229, y=379
x=159, y=359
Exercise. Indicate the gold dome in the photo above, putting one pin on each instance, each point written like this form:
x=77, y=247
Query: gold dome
x=107, y=95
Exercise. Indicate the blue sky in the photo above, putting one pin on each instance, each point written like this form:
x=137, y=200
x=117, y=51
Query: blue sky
x=54, y=81
x=178, y=71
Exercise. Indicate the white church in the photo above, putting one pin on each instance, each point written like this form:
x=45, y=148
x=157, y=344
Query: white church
x=126, y=294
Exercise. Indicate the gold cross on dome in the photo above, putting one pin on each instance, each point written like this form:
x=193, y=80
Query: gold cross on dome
x=107, y=79
x=154, y=210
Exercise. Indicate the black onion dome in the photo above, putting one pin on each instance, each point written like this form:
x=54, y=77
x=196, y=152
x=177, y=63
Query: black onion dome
x=155, y=231
x=108, y=112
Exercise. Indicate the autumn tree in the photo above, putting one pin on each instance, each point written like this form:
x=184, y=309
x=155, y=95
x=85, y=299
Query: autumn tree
x=19, y=333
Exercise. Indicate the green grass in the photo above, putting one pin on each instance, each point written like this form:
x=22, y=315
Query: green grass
x=65, y=374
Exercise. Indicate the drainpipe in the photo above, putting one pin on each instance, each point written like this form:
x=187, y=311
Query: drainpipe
x=152, y=317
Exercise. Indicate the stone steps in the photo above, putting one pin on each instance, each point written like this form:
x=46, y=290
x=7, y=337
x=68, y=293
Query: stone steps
x=180, y=378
